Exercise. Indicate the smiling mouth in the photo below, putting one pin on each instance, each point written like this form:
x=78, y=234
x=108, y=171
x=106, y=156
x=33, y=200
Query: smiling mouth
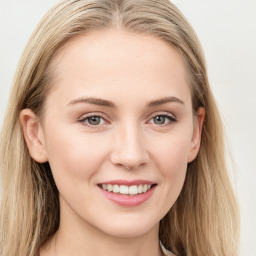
x=127, y=190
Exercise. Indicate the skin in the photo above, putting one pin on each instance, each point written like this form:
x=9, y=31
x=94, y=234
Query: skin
x=131, y=71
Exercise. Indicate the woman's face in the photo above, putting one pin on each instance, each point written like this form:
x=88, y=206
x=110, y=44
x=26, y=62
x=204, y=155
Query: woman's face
x=119, y=117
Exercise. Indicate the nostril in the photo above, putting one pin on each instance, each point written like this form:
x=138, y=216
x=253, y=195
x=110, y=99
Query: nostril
x=127, y=162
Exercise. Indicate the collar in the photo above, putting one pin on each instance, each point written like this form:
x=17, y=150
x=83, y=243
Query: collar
x=165, y=251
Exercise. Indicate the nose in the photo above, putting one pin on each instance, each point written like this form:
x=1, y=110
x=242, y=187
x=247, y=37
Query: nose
x=129, y=148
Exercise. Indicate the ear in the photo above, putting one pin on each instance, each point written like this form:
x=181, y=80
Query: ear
x=197, y=131
x=34, y=136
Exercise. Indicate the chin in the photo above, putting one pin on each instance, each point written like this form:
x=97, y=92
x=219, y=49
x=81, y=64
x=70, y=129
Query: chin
x=130, y=229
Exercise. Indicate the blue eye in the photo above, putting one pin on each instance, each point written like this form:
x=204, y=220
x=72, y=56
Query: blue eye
x=92, y=120
x=163, y=119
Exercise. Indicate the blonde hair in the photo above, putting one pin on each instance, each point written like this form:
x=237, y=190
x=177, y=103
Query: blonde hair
x=203, y=220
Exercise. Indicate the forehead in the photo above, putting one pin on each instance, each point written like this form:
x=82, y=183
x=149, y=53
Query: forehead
x=120, y=61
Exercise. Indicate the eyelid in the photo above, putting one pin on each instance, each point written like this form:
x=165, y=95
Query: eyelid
x=172, y=117
x=83, y=118
x=162, y=113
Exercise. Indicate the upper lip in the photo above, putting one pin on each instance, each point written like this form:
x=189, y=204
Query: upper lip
x=128, y=182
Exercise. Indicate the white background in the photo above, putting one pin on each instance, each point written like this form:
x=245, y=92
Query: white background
x=227, y=30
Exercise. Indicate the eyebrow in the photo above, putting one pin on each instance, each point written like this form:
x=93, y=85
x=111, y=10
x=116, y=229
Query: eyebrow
x=94, y=101
x=106, y=103
x=165, y=100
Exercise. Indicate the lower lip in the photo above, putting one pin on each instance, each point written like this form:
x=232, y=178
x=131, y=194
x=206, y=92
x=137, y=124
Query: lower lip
x=128, y=200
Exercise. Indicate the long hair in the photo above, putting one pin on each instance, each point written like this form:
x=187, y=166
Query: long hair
x=204, y=219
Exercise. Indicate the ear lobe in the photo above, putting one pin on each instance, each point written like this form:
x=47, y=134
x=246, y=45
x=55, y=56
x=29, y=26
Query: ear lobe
x=34, y=136
x=197, y=132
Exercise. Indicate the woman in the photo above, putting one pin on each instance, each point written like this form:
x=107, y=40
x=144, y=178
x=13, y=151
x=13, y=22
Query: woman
x=112, y=140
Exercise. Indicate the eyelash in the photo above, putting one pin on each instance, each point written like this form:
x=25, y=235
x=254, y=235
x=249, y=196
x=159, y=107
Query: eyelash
x=171, y=119
x=84, y=120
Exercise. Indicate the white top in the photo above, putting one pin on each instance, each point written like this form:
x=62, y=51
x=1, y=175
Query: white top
x=165, y=251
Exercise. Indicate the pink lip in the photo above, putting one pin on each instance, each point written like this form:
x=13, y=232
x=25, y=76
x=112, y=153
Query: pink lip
x=128, y=200
x=128, y=182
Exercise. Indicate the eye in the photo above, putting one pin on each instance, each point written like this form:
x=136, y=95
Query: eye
x=93, y=120
x=162, y=119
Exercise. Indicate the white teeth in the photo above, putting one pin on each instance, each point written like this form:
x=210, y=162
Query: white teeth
x=124, y=190
x=140, y=189
x=127, y=190
x=116, y=189
x=109, y=187
x=144, y=188
x=133, y=190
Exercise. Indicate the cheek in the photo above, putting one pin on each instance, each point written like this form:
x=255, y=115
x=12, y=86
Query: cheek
x=174, y=158
x=171, y=153
x=172, y=163
x=74, y=158
x=174, y=166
